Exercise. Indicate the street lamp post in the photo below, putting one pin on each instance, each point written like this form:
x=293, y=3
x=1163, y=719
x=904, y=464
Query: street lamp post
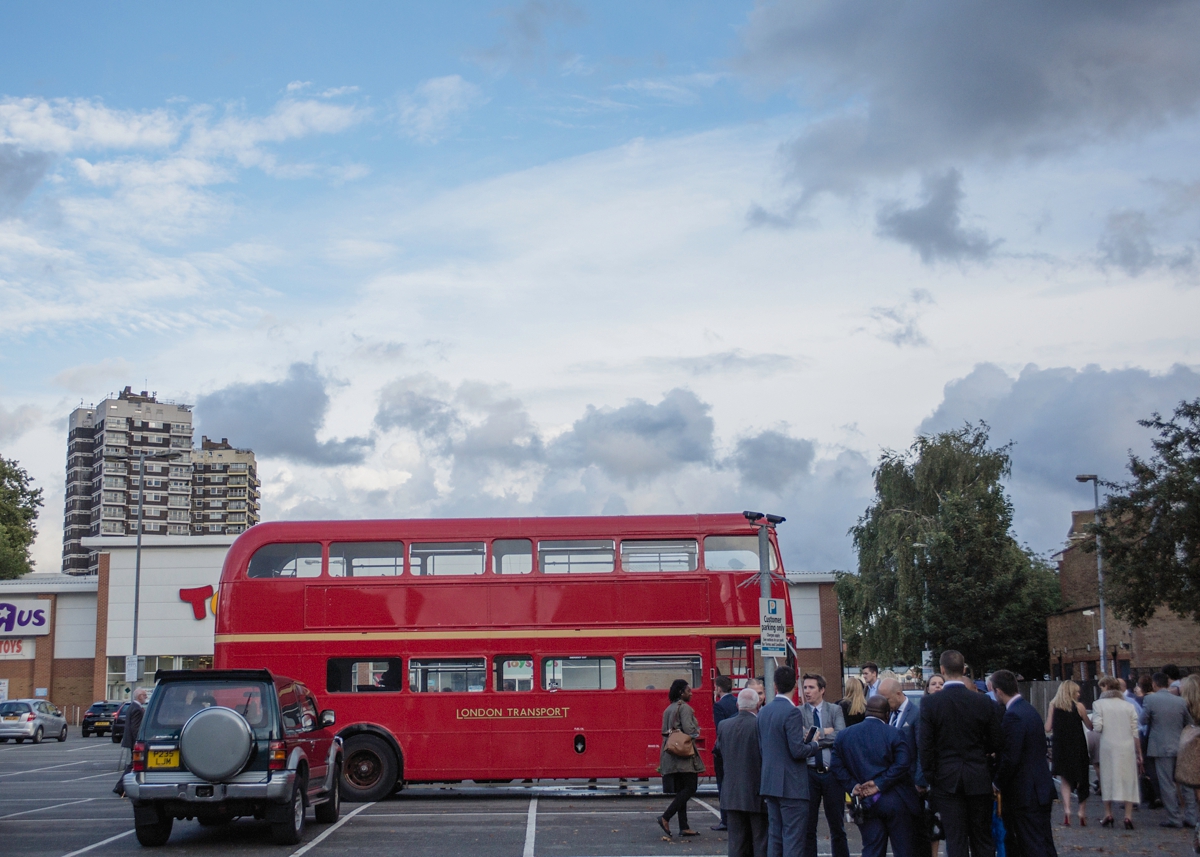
x=926, y=653
x=1102, y=640
x=142, y=457
x=764, y=524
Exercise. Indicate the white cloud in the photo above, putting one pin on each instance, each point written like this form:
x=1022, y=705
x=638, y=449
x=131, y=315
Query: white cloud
x=65, y=125
x=87, y=379
x=434, y=109
x=16, y=422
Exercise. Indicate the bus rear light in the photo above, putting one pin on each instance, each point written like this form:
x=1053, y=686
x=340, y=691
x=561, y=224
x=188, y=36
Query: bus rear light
x=139, y=756
x=277, y=758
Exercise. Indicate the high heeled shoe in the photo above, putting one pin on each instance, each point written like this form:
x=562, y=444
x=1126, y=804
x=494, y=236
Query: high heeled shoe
x=1067, y=820
x=1129, y=824
x=1083, y=821
x=1107, y=821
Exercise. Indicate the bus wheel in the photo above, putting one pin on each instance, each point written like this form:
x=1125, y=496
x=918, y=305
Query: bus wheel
x=370, y=769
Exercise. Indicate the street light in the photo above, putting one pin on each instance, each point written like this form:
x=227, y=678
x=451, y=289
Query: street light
x=927, y=653
x=142, y=457
x=1095, y=480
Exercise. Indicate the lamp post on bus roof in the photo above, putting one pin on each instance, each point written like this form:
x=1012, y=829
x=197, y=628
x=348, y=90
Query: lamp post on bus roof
x=765, y=523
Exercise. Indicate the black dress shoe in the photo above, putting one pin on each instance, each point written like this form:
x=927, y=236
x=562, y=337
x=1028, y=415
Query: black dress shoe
x=1189, y=825
x=718, y=827
x=1168, y=824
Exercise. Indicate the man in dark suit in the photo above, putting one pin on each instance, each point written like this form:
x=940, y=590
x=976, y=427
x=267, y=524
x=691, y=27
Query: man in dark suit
x=823, y=786
x=959, y=729
x=784, y=782
x=872, y=761
x=725, y=705
x=1026, y=790
x=741, y=804
x=905, y=716
x=1164, y=715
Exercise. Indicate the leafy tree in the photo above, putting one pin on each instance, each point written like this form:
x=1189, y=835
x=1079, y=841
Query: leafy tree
x=18, y=510
x=1150, y=526
x=937, y=562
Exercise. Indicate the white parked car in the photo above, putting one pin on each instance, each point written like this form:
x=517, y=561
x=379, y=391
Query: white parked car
x=32, y=719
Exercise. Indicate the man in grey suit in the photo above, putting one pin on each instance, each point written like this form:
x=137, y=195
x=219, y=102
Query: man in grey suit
x=744, y=810
x=784, y=783
x=828, y=720
x=1164, y=715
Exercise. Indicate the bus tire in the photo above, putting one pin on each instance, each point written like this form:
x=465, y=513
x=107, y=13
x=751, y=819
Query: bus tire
x=370, y=769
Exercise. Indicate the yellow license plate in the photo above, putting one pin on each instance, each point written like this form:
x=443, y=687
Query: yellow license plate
x=14, y=717
x=162, y=759
x=101, y=722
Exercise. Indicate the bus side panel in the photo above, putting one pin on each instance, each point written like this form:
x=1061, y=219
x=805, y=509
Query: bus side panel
x=664, y=602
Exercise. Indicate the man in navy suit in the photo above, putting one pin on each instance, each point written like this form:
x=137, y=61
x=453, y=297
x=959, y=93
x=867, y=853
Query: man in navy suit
x=906, y=716
x=781, y=735
x=872, y=760
x=724, y=706
x=1026, y=790
x=959, y=730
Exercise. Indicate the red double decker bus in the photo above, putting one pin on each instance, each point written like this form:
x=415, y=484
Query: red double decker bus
x=497, y=649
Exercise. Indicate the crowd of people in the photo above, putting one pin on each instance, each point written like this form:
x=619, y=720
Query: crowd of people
x=963, y=763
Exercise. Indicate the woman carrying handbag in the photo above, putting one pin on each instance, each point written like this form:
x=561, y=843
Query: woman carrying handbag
x=679, y=761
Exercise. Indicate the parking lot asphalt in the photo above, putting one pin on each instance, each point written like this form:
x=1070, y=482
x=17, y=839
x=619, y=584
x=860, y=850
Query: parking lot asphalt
x=56, y=800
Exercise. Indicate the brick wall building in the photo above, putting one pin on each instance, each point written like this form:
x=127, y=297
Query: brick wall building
x=1073, y=632
x=57, y=664
x=818, y=629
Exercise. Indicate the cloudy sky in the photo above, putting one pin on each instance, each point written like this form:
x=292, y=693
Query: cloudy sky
x=555, y=258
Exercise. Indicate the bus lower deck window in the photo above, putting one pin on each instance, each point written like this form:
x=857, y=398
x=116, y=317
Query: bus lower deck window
x=734, y=553
x=364, y=675
x=579, y=673
x=656, y=672
x=447, y=674
x=646, y=555
x=512, y=672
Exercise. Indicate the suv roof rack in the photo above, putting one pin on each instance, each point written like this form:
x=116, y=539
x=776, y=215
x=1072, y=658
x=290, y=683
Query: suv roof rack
x=243, y=675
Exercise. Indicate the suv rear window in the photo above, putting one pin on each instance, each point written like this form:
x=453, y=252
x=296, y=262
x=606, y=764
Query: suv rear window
x=175, y=702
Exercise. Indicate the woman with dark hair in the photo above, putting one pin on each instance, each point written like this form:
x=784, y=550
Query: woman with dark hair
x=680, y=771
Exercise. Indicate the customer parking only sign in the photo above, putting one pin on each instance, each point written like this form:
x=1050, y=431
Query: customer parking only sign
x=773, y=627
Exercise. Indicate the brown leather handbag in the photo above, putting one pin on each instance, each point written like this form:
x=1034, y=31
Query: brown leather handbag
x=679, y=743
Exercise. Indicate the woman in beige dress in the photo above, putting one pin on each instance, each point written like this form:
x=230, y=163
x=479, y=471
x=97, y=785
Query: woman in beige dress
x=1116, y=721
x=1187, y=763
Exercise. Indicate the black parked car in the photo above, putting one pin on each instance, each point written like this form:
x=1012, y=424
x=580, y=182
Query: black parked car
x=99, y=718
x=118, y=726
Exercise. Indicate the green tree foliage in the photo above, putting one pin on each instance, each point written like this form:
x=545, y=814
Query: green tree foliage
x=1150, y=525
x=18, y=510
x=937, y=562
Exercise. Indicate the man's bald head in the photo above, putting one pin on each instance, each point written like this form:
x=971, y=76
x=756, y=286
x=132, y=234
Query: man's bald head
x=877, y=706
x=893, y=691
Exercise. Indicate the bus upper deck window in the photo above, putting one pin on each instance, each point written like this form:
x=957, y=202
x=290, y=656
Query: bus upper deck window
x=512, y=556
x=673, y=555
x=582, y=556
x=286, y=560
x=442, y=558
x=734, y=553
x=366, y=559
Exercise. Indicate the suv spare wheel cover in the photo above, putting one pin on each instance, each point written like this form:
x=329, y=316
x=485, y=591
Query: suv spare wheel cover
x=215, y=743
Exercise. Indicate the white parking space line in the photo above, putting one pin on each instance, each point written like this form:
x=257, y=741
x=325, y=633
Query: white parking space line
x=98, y=844
x=47, y=768
x=530, y=828
x=92, y=777
x=45, y=808
x=92, y=747
x=707, y=806
x=304, y=849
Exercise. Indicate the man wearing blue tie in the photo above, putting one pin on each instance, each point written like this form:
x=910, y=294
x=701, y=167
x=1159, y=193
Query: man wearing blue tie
x=829, y=721
x=784, y=787
x=872, y=761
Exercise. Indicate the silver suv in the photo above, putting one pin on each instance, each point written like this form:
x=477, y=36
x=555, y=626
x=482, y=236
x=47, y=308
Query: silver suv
x=32, y=719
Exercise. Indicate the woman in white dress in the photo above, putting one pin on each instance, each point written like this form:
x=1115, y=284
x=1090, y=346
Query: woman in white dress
x=1120, y=750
